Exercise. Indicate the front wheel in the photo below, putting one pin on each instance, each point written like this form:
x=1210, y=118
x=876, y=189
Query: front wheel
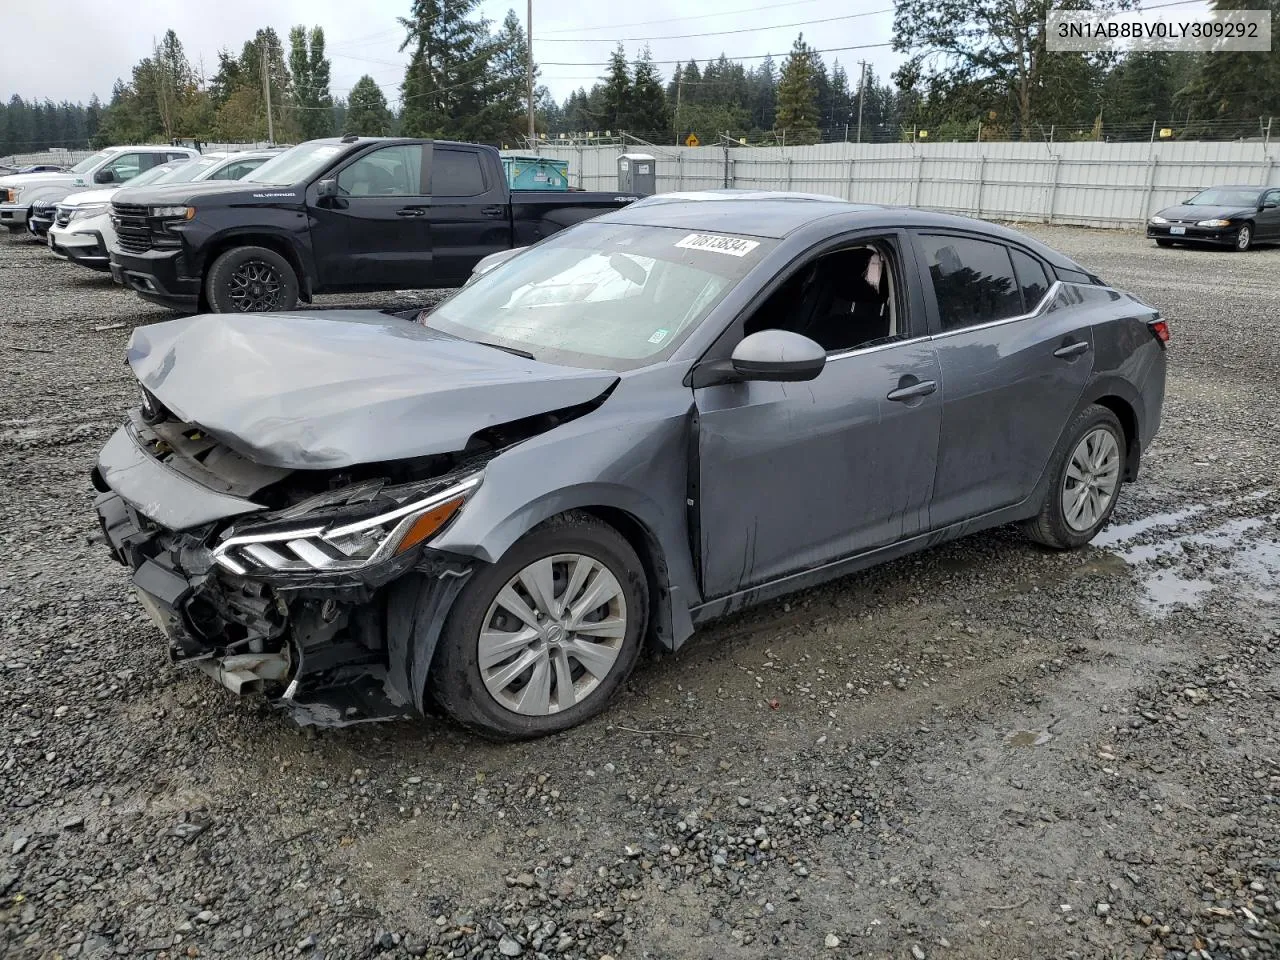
x=1085, y=476
x=251, y=280
x=1244, y=239
x=541, y=640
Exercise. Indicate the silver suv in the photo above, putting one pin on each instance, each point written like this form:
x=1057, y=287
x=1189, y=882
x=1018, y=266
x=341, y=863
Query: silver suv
x=27, y=200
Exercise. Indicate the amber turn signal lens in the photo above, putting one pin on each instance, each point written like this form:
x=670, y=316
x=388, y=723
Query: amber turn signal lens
x=429, y=523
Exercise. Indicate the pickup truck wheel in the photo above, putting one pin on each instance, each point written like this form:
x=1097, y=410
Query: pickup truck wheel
x=251, y=280
x=541, y=640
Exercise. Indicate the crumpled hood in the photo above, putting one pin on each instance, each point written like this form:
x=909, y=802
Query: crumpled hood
x=327, y=389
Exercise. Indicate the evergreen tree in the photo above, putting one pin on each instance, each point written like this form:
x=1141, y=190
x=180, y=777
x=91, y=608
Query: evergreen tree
x=366, y=112
x=616, y=91
x=764, y=95
x=797, y=119
x=310, y=68
x=648, y=114
x=506, y=113
x=446, y=86
x=1239, y=87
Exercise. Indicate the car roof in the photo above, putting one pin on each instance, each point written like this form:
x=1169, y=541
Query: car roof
x=777, y=218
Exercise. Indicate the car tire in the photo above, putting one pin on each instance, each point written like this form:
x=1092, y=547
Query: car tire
x=1244, y=239
x=251, y=280
x=1164, y=243
x=1091, y=453
x=476, y=692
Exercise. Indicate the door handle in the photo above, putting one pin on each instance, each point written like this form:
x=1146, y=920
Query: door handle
x=1072, y=350
x=495, y=211
x=912, y=391
x=411, y=212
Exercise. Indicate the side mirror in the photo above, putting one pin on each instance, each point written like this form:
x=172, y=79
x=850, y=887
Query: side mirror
x=779, y=356
x=1269, y=205
x=104, y=176
x=327, y=189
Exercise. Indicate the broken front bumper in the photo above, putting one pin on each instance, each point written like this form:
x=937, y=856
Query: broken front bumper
x=334, y=650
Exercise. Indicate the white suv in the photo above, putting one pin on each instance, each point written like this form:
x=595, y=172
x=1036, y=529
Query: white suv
x=82, y=230
x=27, y=199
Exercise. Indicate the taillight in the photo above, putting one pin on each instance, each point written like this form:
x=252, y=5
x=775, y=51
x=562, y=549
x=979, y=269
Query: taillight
x=1160, y=329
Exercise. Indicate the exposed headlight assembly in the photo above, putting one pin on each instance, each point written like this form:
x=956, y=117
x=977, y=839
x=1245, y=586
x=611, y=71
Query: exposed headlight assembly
x=1213, y=223
x=184, y=213
x=346, y=538
x=1158, y=219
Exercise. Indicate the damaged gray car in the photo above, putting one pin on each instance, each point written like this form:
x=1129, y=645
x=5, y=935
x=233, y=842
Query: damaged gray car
x=642, y=423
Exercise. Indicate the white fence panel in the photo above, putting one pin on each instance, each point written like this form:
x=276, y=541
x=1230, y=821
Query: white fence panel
x=1089, y=184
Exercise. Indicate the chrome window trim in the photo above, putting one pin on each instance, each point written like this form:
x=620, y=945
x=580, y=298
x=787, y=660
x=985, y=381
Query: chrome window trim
x=858, y=351
x=1049, y=296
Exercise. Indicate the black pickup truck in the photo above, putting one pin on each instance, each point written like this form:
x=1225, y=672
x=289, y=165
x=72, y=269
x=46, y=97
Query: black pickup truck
x=330, y=216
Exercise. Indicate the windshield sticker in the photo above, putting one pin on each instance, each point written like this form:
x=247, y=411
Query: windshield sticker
x=659, y=335
x=712, y=243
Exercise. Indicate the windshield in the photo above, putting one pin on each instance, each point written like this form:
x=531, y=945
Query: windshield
x=607, y=295
x=158, y=174
x=1218, y=197
x=295, y=165
x=88, y=163
x=191, y=170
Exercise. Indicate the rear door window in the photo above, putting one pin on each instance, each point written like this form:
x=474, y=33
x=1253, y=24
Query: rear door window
x=456, y=173
x=973, y=280
x=1032, y=279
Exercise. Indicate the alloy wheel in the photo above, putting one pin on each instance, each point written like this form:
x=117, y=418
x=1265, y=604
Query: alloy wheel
x=1092, y=478
x=255, y=287
x=1244, y=238
x=552, y=635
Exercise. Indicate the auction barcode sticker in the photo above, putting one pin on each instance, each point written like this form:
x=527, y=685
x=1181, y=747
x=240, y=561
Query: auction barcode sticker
x=715, y=243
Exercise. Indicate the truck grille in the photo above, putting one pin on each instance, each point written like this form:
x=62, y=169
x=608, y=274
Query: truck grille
x=42, y=209
x=133, y=229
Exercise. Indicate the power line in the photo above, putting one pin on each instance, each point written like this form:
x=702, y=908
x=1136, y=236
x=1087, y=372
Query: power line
x=697, y=16
x=758, y=56
x=720, y=33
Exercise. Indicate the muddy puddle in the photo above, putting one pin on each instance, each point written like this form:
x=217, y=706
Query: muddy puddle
x=1182, y=568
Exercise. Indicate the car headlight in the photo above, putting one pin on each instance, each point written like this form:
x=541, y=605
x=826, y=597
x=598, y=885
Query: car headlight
x=87, y=211
x=1158, y=219
x=1213, y=223
x=375, y=523
x=185, y=213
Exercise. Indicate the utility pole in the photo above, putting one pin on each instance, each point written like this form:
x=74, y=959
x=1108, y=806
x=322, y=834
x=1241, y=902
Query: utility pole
x=675, y=122
x=532, y=125
x=266, y=89
x=862, y=96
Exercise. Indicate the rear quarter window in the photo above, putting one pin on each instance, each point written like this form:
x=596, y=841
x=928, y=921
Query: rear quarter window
x=1031, y=276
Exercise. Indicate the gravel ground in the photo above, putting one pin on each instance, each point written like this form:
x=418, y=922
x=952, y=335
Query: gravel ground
x=985, y=751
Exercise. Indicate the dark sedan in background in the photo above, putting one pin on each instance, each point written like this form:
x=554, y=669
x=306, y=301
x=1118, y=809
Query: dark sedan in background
x=1226, y=216
x=645, y=422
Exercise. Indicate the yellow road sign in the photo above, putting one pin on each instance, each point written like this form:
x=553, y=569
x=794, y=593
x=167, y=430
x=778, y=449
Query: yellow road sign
x=692, y=140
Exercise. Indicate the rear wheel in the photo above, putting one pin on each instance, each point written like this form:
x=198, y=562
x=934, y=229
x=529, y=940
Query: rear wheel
x=1244, y=239
x=1164, y=243
x=540, y=641
x=251, y=280
x=1085, y=476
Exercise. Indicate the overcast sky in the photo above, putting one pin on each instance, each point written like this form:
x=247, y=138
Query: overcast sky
x=84, y=45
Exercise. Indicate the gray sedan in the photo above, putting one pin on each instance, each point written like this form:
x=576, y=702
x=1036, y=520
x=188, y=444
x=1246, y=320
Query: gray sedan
x=647, y=421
